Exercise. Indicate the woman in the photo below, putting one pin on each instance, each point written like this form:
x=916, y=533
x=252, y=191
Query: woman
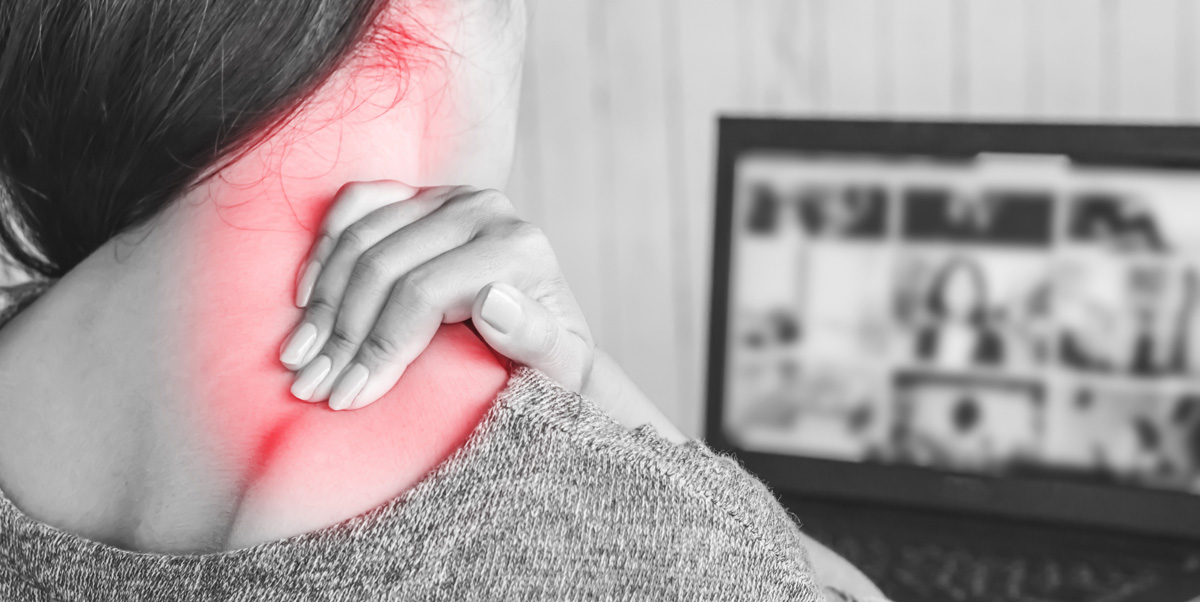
x=167, y=165
x=959, y=333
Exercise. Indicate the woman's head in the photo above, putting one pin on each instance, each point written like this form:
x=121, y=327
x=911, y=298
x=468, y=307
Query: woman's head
x=114, y=108
x=959, y=291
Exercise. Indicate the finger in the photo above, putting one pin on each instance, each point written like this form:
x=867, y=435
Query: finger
x=366, y=212
x=440, y=291
x=353, y=202
x=340, y=329
x=524, y=330
x=329, y=275
x=614, y=392
x=336, y=270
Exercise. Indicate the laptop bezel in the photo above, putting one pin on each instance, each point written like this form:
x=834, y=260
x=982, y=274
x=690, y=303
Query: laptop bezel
x=1141, y=510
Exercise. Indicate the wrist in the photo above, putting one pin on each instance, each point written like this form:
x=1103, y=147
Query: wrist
x=588, y=381
x=615, y=392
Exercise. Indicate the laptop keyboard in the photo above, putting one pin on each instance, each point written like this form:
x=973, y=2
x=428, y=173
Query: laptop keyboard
x=935, y=572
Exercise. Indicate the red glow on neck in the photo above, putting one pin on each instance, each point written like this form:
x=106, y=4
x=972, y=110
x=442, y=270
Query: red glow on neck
x=306, y=466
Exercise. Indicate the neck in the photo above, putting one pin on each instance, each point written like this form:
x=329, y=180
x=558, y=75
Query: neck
x=174, y=428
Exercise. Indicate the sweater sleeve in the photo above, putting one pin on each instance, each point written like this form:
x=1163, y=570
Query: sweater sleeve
x=579, y=507
x=549, y=499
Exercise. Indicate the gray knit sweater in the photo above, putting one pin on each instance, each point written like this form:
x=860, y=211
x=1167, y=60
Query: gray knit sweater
x=549, y=499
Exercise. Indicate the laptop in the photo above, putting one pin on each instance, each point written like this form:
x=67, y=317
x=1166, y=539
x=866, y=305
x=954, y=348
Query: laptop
x=967, y=355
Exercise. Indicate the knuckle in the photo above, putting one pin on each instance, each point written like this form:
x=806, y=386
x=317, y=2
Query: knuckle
x=320, y=306
x=374, y=261
x=462, y=190
x=483, y=200
x=458, y=196
x=327, y=240
x=418, y=289
x=527, y=234
x=518, y=234
x=380, y=346
x=370, y=267
x=450, y=191
x=495, y=200
x=359, y=233
x=341, y=340
x=354, y=239
x=463, y=202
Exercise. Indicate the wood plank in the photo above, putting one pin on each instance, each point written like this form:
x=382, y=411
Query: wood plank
x=780, y=46
x=1147, y=66
x=854, y=57
x=524, y=186
x=997, y=34
x=801, y=31
x=1189, y=61
x=640, y=200
x=708, y=83
x=621, y=103
x=923, y=64
x=567, y=168
x=749, y=42
x=1066, y=74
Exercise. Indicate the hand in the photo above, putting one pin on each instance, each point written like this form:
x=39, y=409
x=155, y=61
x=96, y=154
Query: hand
x=392, y=263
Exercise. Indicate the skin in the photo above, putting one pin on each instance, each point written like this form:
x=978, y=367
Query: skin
x=180, y=433
x=388, y=280
x=189, y=439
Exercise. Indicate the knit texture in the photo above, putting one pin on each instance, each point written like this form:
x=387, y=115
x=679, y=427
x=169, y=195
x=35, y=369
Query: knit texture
x=549, y=499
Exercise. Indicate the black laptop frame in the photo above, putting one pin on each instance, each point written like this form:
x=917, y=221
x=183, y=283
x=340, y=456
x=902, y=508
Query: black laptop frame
x=1167, y=513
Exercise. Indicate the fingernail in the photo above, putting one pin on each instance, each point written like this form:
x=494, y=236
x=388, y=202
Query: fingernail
x=298, y=344
x=501, y=311
x=311, y=376
x=307, y=281
x=348, y=387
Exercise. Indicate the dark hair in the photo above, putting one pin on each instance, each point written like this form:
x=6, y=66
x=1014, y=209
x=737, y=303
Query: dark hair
x=112, y=108
x=935, y=299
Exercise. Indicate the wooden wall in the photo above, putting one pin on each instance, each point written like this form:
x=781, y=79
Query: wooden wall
x=616, y=143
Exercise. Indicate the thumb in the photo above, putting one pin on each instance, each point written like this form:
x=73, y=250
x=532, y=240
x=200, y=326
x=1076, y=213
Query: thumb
x=527, y=332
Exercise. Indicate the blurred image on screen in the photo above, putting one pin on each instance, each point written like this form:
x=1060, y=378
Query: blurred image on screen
x=968, y=316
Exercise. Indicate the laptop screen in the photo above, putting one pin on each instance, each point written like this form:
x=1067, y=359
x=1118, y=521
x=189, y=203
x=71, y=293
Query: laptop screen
x=1002, y=315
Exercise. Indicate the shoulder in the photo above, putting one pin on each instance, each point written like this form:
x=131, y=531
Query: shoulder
x=550, y=480
x=320, y=467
